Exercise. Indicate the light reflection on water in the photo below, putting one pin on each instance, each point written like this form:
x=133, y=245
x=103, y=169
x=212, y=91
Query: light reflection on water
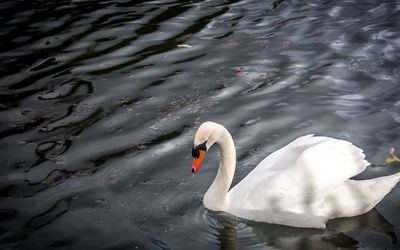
x=99, y=105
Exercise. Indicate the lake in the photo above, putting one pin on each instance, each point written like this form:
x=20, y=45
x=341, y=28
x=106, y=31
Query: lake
x=100, y=101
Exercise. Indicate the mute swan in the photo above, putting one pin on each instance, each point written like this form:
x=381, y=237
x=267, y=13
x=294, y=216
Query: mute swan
x=303, y=184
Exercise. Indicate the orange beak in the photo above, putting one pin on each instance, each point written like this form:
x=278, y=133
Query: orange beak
x=197, y=161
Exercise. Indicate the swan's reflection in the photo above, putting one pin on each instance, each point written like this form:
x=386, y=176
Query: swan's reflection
x=345, y=233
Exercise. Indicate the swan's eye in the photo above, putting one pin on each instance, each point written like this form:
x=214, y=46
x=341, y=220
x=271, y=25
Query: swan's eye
x=195, y=153
x=195, y=150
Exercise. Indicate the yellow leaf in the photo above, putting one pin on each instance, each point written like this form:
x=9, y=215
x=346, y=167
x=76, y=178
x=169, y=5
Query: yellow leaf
x=392, y=159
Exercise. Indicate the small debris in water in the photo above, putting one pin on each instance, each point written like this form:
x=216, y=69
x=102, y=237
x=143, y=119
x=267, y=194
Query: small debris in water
x=392, y=159
x=101, y=201
x=285, y=44
x=240, y=73
x=233, y=44
x=184, y=46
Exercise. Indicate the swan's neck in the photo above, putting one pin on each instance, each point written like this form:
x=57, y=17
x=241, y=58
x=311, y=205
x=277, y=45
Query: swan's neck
x=216, y=196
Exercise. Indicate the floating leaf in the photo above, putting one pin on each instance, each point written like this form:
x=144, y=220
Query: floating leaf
x=184, y=46
x=392, y=159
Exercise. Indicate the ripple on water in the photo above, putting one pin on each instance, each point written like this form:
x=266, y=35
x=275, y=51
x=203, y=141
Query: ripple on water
x=99, y=104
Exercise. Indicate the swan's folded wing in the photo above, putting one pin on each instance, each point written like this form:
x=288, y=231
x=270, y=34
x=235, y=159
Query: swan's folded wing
x=324, y=166
x=284, y=158
x=301, y=173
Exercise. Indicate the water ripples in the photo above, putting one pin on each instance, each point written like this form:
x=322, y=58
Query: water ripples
x=99, y=102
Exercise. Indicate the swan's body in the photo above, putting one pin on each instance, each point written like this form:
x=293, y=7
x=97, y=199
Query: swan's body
x=303, y=184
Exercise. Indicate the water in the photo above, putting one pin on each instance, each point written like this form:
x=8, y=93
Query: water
x=100, y=101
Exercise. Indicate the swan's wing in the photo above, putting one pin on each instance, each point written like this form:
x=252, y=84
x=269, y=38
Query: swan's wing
x=299, y=174
x=281, y=161
x=284, y=158
x=322, y=167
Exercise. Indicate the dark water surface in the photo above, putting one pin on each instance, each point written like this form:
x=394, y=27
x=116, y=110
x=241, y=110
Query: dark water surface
x=100, y=101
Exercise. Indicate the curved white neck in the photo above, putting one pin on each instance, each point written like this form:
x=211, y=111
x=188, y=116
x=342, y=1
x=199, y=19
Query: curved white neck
x=216, y=196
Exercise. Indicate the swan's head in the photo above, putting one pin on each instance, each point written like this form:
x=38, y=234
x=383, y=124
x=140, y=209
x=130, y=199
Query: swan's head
x=207, y=134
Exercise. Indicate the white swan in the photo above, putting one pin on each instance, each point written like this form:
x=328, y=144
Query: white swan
x=303, y=184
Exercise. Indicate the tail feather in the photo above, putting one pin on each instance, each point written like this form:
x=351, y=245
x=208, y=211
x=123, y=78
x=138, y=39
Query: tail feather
x=356, y=197
x=376, y=189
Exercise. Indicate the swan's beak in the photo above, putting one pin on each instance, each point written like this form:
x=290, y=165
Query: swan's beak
x=198, y=160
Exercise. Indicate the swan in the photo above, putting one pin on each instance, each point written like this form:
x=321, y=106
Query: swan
x=304, y=184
